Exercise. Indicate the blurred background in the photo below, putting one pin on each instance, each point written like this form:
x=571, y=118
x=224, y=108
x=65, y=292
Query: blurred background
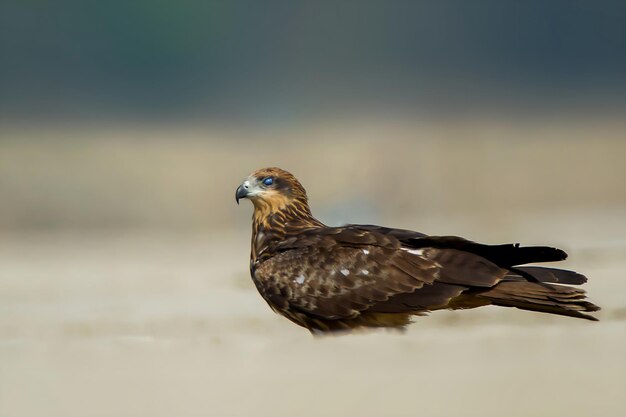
x=126, y=126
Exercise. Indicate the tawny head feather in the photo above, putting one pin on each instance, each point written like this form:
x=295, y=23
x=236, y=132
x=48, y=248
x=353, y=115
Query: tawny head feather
x=272, y=190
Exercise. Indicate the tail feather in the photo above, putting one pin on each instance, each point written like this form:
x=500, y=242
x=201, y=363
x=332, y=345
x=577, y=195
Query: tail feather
x=544, y=274
x=511, y=255
x=541, y=297
x=505, y=256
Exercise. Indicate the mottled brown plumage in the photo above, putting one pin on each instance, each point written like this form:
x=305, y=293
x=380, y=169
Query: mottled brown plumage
x=341, y=278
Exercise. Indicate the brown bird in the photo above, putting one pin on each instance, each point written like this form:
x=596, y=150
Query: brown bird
x=358, y=276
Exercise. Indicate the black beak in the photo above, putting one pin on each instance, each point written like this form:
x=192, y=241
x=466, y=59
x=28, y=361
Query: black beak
x=240, y=193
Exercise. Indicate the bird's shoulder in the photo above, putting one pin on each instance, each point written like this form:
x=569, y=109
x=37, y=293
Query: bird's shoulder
x=358, y=236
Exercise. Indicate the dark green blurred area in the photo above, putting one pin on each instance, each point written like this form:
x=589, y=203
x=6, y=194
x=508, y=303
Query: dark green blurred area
x=147, y=114
x=241, y=60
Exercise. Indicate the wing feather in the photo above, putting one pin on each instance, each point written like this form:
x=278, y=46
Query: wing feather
x=339, y=273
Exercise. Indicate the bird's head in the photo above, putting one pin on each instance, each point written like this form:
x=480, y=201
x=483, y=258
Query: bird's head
x=272, y=190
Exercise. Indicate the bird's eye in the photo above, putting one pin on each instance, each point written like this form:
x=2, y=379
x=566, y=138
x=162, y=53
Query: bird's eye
x=268, y=181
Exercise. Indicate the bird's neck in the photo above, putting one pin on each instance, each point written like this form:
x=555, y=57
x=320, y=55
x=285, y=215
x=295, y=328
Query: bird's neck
x=269, y=228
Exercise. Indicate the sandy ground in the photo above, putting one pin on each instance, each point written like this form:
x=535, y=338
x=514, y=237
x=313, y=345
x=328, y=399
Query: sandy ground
x=116, y=322
x=162, y=325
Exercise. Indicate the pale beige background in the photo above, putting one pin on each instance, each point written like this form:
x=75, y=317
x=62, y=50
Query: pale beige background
x=124, y=288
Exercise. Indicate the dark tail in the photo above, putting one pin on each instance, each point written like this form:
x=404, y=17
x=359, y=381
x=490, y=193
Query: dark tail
x=505, y=256
x=542, y=297
x=533, y=288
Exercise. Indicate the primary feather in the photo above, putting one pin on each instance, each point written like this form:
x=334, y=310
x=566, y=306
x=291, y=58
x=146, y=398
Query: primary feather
x=341, y=278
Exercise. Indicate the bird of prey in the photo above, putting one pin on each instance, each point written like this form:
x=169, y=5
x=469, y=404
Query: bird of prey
x=330, y=279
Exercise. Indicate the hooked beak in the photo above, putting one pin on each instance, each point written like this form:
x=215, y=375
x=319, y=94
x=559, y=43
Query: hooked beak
x=242, y=192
